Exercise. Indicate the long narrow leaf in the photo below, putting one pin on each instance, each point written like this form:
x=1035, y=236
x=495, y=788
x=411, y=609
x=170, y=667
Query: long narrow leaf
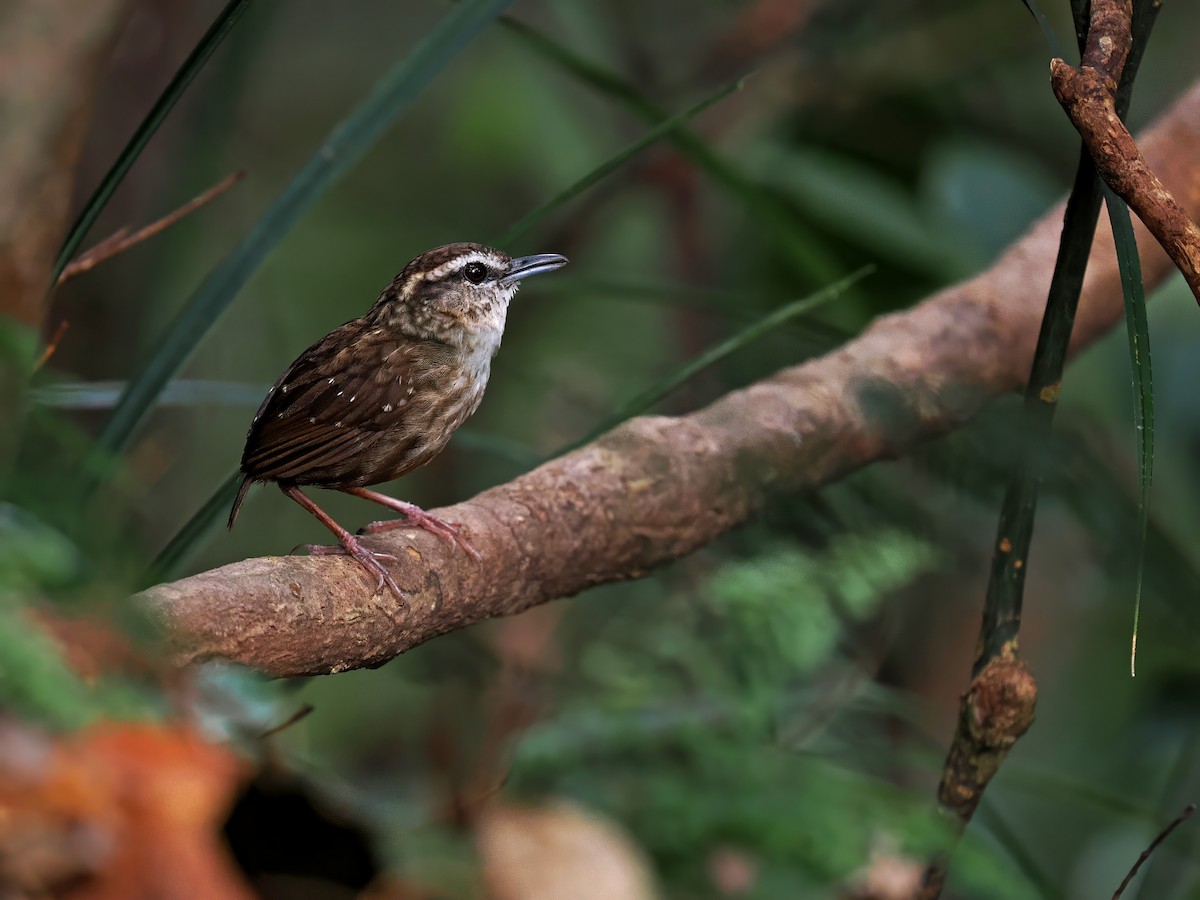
x=656, y=392
x=141, y=137
x=1047, y=31
x=202, y=522
x=180, y=392
x=345, y=144
x=610, y=165
x=799, y=244
x=1138, y=330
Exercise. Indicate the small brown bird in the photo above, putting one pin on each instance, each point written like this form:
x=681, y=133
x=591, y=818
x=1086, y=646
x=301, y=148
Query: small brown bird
x=382, y=394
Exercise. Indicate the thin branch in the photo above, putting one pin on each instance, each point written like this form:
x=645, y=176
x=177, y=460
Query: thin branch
x=299, y=715
x=1088, y=95
x=658, y=488
x=52, y=345
x=121, y=240
x=993, y=714
x=1162, y=836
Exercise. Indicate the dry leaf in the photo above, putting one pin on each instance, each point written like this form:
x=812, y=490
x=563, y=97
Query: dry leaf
x=559, y=850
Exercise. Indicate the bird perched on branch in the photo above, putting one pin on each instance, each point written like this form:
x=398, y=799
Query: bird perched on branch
x=382, y=394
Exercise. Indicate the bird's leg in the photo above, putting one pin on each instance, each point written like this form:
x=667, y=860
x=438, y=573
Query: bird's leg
x=414, y=517
x=350, y=545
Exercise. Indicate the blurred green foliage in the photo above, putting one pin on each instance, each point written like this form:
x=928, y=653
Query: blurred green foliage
x=788, y=692
x=722, y=753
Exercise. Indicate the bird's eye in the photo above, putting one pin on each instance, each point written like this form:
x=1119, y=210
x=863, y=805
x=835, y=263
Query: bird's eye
x=475, y=272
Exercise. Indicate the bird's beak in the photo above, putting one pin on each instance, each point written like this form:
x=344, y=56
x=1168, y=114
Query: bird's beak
x=524, y=266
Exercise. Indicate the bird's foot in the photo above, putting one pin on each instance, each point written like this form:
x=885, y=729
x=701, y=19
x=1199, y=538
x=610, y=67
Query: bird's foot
x=368, y=559
x=415, y=517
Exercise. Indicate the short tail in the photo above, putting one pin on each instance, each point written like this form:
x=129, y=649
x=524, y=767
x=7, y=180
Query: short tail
x=241, y=496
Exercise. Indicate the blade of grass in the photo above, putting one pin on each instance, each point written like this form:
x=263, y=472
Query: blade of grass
x=710, y=357
x=1006, y=583
x=613, y=163
x=141, y=137
x=202, y=523
x=734, y=306
x=799, y=244
x=1138, y=330
x=179, y=392
x=345, y=144
x=1047, y=31
x=496, y=446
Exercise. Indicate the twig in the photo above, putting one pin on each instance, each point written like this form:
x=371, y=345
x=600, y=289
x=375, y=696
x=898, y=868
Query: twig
x=1162, y=836
x=658, y=488
x=1088, y=95
x=121, y=240
x=52, y=345
x=299, y=715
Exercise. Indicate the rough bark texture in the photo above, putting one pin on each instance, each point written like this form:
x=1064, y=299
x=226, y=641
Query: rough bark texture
x=994, y=713
x=658, y=488
x=1088, y=95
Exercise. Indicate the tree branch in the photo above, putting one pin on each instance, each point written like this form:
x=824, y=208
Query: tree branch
x=657, y=488
x=1088, y=96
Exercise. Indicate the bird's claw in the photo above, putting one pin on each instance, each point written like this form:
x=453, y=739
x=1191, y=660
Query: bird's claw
x=450, y=532
x=368, y=559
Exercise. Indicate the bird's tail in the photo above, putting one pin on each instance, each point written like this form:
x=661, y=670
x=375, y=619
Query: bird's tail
x=241, y=496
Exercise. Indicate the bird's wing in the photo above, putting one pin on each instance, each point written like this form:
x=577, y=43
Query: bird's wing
x=333, y=403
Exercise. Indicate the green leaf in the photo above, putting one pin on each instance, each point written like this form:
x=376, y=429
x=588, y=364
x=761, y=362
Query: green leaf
x=773, y=602
x=33, y=555
x=610, y=165
x=141, y=137
x=200, y=525
x=1138, y=330
x=656, y=392
x=35, y=680
x=345, y=144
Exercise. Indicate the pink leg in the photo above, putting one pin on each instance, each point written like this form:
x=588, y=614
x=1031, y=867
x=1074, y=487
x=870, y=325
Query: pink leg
x=414, y=517
x=350, y=545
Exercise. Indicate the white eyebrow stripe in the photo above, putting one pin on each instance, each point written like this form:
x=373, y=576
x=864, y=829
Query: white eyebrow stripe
x=488, y=259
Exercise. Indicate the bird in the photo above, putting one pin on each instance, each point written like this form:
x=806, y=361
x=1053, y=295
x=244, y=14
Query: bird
x=380, y=395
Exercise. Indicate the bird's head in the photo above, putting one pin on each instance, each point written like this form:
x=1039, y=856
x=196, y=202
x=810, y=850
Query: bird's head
x=459, y=286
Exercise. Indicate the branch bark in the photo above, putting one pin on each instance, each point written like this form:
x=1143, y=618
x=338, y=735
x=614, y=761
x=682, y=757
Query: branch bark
x=657, y=488
x=1088, y=96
